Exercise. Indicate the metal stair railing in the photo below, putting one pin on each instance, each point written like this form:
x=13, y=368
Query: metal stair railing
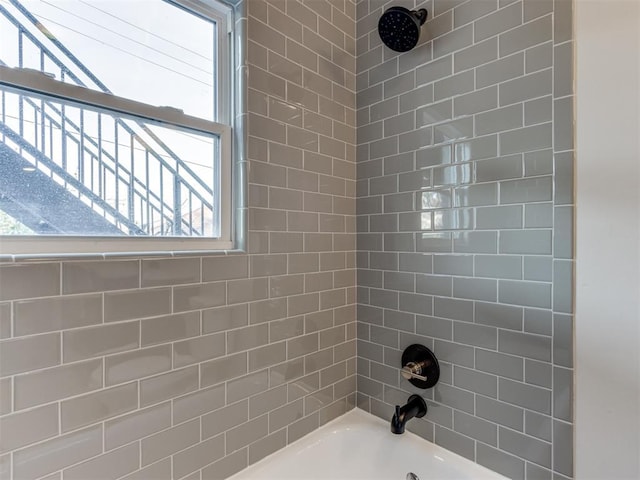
x=146, y=211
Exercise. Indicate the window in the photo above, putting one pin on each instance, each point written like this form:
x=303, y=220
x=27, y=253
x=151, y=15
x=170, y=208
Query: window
x=115, y=126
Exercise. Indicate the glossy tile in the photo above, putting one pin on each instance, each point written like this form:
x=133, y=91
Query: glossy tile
x=476, y=335
x=195, y=350
x=538, y=373
x=27, y=354
x=526, y=139
x=475, y=381
x=56, y=313
x=527, y=35
x=6, y=396
x=496, y=315
x=221, y=369
x=527, y=396
x=111, y=465
x=240, y=291
x=526, y=345
x=5, y=320
x=56, y=383
x=501, y=413
x=563, y=455
x=198, y=403
x=528, y=294
x=198, y=456
x=475, y=289
x=475, y=427
x=452, y=41
x=163, y=444
x=498, y=266
x=531, y=242
x=538, y=215
x=475, y=242
x=23, y=428
x=500, y=119
x=500, y=70
x=476, y=102
x=267, y=446
x=268, y=355
x=136, y=425
x=248, y=385
x=84, y=277
x=459, y=444
x=38, y=460
x=481, y=52
x=526, y=447
x=168, y=385
x=526, y=88
x=455, y=85
x=498, y=21
x=126, y=305
x=247, y=338
x=497, y=460
x=80, y=344
x=43, y=280
x=226, y=466
x=124, y=367
x=156, y=273
x=95, y=407
x=247, y=433
x=169, y=328
x=499, y=364
x=200, y=296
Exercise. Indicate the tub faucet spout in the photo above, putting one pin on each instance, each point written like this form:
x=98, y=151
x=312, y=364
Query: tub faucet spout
x=415, y=407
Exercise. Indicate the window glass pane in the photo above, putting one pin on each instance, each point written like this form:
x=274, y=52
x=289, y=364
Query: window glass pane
x=151, y=51
x=71, y=170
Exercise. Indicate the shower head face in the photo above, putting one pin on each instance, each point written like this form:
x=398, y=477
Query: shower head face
x=399, y=28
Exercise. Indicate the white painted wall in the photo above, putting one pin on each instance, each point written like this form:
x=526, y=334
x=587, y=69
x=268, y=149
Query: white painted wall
x=607, y=321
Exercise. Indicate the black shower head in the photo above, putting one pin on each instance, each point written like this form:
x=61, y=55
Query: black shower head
x=399, y=28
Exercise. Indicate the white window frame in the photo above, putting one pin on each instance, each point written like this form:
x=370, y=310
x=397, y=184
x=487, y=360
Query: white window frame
x=31, y=82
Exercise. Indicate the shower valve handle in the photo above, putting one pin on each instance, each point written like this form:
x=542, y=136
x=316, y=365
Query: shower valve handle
x=413, y=370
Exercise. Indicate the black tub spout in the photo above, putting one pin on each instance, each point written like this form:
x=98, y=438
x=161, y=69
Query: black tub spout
x=415, y=407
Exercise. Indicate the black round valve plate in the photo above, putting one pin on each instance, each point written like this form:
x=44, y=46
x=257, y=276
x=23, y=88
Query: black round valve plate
x=417, y=353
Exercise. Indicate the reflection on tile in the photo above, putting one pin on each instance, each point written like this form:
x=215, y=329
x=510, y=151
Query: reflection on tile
x=56, y=383
x=52, y=455
x=453, y=175
x=113, y=464
x=132, y=304
x=98, y=406
x=434, y=199
x=31, y=353
x=43, y=280
x=455, y=130
x=170, y=271
x=139, y=363
x=139, y=424
x=23, y=428
x=97, y=341
x=57, y=313
x=82, y=277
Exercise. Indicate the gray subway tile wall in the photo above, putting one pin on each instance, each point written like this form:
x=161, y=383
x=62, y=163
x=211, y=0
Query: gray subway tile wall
x=453, y=199
x=481, y=268
x=197, y=366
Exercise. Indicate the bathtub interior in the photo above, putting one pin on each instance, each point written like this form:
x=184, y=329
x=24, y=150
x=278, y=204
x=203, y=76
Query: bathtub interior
x=358, y=445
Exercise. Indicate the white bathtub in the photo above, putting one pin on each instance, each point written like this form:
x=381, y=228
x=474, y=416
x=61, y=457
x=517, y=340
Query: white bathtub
x=358, y=445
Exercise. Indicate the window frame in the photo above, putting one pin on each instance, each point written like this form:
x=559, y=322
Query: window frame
x=33, y=82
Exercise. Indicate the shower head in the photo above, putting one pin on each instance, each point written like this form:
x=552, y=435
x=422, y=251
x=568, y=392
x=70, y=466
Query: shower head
x=399, y=28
